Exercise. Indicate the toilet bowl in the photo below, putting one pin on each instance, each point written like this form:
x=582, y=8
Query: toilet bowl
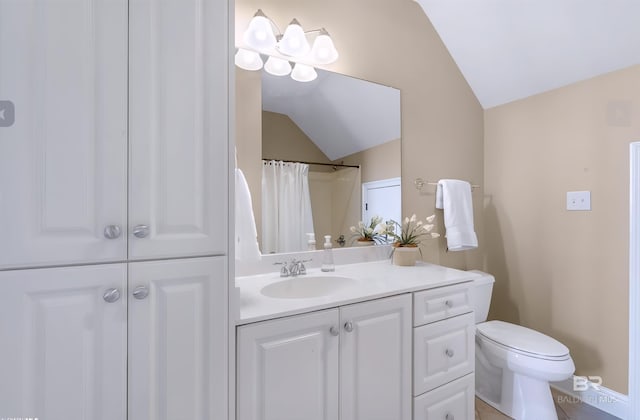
x=514, y=364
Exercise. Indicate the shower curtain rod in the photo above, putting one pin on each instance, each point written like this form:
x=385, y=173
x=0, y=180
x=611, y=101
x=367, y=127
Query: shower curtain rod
x=314, y=163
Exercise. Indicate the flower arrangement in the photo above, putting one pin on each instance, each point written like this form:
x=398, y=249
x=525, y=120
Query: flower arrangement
x=412, y=231
x=374, y=231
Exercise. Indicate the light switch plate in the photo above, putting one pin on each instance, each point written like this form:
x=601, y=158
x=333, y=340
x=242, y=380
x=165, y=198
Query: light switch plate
x=579, y=200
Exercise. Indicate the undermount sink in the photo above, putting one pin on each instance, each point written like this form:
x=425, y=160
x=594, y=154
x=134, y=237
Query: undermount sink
x=307, y=287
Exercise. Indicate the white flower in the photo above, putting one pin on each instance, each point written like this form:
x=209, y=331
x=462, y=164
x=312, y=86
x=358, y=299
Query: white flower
x=419, y=223
x=380, y=229
x=360, y=225
x=353, y=229
x=406, y=220
x=428, y=228
x=413, y=218
x=435, y=235
x=431, y=218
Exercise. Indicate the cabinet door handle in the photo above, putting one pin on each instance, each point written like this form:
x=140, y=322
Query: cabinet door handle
x=111, y=295
x=449, y=416
x=141, y=231
x=334, y=331
x=140, y=292
x=112, y=231
x=348, y=326
x=449, y=352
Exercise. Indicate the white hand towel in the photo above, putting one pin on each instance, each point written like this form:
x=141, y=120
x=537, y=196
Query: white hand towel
x=454, y=197
x=246, y=234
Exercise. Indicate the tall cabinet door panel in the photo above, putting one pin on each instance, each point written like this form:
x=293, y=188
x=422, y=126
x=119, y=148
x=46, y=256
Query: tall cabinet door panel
x=177, y=346
x=288, y=368
x=63, y=333
x=375, y=360
x=63, y=131
x=178, y=128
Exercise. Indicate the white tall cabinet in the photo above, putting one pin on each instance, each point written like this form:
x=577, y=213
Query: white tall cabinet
x=114, y=204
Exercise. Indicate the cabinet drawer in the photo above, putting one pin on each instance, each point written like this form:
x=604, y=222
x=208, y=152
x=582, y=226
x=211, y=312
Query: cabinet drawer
x=442, y=352
x=453, y=401
x=441, y=303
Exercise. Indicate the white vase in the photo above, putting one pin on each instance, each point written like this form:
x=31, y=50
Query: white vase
x=405, y=255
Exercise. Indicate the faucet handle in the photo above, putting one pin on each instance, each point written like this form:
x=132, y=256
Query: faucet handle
x=284, y=271
x=303, y=270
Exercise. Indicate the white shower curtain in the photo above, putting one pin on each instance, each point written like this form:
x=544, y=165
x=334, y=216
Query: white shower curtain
x=286, y=207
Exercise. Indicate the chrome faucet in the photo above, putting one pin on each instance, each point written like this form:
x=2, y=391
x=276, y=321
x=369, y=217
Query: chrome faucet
x=294, y=268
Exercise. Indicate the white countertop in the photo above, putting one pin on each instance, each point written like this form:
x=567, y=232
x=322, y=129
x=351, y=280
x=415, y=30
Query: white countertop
x=373, y=280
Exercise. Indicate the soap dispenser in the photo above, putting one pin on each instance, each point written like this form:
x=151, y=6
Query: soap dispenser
x=311, y=242
x=327, y=259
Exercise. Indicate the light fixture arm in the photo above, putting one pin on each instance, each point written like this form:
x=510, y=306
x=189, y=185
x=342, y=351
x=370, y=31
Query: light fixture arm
x=273, y=23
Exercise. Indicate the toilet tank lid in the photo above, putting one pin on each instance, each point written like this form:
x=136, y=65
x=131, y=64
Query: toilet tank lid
x=482, y=278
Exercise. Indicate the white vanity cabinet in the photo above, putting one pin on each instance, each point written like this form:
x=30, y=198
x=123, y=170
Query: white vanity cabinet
x=443, y=354
x=83, y=343
x=119, y=146
x=352, y=362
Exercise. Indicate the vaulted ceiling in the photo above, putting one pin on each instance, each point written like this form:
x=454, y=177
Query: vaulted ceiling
x=511, y=49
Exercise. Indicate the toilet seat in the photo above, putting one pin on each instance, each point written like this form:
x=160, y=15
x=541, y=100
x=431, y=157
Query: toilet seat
x=523, y=340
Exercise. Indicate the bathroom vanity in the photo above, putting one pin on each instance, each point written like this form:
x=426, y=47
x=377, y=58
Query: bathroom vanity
x=377, y=342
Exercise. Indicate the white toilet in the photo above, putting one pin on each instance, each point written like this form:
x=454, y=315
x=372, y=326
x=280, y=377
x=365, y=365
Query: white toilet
x=514, y=364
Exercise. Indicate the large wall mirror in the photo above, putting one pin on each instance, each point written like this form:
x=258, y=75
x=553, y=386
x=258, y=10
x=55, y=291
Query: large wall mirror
x=325, y=146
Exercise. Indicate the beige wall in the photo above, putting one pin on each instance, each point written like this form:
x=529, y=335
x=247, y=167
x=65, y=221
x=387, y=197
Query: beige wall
x=393, y=43
x=282, y=139
x=249, y=136
x=379, y=162
x=565, y=273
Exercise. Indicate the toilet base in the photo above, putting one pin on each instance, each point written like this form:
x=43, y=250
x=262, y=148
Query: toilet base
x=518, y=396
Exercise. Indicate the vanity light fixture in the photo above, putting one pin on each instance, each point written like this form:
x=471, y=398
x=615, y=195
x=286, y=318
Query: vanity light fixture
x=259, y=38
x=248, y=60
x=277, y=66
x=303, y=73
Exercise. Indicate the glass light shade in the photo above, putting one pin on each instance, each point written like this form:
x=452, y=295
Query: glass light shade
x=294, y=42
x=323, y=50
x=248, y=60
x=303, y=73
x=259, y=35
x=277, y=66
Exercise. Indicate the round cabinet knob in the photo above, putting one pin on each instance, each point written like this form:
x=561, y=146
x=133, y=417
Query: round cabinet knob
x=449, y=352
x=448, y=303
x=140, y=292
x=141, y=231
x=449, y=416
x=348, y=326
x=111, y=295
x=112, y=232
x=334, y=331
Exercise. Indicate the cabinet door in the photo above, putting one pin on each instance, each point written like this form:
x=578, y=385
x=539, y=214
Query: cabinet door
x=63, y=131
x=63, y=341
x=375, y=360
x=178, y=193
x=178, y=339
x=288, y=368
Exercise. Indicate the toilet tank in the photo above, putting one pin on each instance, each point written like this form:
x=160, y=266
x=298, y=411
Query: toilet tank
x=481, y=294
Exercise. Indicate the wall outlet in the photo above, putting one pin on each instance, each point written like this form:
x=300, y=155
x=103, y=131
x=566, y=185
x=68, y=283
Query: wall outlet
x=579, y=200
